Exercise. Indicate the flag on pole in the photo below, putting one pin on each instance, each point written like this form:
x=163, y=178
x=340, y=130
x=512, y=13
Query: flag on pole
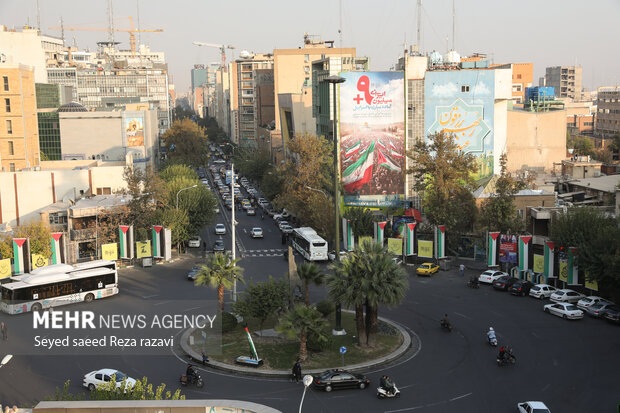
x=380, y=144
x=380, y=232
x=524, y=252
x=395, y=154
x=573, y=276
x=493, y=252
x=125, y=236
x=158, y=241
x=392, y=146
x=359, y=173
x=254, y=353
x=549, y=260
x=58, y=248
x=347, y=235
x=440, y=241
x=353, y=149
x=410, y=239
x=21, y=255
x=385, y=162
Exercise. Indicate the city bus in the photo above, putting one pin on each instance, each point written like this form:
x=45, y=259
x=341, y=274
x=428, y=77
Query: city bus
x=59, y=284
x=309, y=244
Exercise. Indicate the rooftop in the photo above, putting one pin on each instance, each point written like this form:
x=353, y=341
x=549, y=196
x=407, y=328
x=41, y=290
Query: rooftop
x=601, y=183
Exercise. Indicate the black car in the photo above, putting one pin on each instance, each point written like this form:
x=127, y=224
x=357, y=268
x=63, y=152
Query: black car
x=339, y=379
x=218, y=246
x=613, y=314
x=522, y=287
x=504, y=283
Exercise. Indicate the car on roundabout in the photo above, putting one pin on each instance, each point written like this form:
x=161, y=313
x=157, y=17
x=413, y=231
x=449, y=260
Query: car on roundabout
x=102, y=377
x=541, y=291
x=191, y=275
x=532, y=407
x=339, y=379
x=567, y=311
x=220, y=229
x=427, y=268
x=256, y=232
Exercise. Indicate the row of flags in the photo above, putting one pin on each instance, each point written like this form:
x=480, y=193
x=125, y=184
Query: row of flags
x=359, y=172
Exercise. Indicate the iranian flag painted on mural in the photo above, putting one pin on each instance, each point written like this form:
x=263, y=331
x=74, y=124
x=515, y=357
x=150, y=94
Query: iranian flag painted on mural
x=353, y=149
x=383, y=161
x=359, y=173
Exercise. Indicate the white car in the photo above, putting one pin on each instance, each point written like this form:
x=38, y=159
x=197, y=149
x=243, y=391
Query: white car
x=98, y=378
x=533, y=407
x=567, y=311
x=257, y=232
x=220, y=229
x=194, y=242
x=489, y=276
x=542, y=291
x=566, y=296
x=584, y=303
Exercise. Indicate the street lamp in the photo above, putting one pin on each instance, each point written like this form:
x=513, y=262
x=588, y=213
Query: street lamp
x=335, y=80
x=233, y=223
x=8, y=358
x=183, y=189
x=307, y=382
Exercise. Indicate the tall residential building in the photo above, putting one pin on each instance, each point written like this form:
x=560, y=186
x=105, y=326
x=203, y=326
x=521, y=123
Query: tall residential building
x=25, y=47
x=292, y=70
x=522, y=77
x=608, y=111
x=19, y=134
x=198, y=82
x=49, y=99
x=566, y=80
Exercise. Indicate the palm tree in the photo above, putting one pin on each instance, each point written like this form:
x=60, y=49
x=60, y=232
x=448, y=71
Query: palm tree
x=309, y=272
x=299, y=323
x=220, y=272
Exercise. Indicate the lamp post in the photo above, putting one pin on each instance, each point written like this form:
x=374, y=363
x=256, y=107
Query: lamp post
x=183, y=189
x=233, y=223
x=307, y=382
x=8, y=358
x=335, y=80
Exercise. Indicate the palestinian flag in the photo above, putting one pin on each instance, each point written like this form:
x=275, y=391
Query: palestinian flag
x=347, y=235
x=524, y=253
x=21, y=255
x=386, y=163
x=158, y=241
x=353, y=149
x=380, y=232
x=392, y=146
x=380, y=144
x=58, y=248
x=493, y=252
x=440, y=241
x=359, y=173
x=254, y=353
x=125, y=236
x=395, y=154
x=410, y=238
x=573, y=270
x=549, y=260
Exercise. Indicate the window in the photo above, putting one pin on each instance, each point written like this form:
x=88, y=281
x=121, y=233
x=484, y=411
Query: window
x=5, y=80
x=465, y=88
x=11, y=148
x=306, y=58
x=9, y=126
x=7, y=104
x=11, y=167
x=104, y=191
x=519, y=76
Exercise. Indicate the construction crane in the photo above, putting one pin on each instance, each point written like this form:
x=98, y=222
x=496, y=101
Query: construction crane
x=132, y=32
x=219, y=46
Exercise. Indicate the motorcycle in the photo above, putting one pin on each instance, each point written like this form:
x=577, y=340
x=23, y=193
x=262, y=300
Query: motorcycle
x=473, y=284
x=492, y=339
x=446, y=325
x=508, y=359
x=385, y=394
x=195, y=380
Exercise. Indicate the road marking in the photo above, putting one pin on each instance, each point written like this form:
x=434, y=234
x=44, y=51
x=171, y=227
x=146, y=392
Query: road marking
x=460, y=397
x=193, y=308
x=463, y=315
x=150, y=296
x=162, y=302
x=546, y=387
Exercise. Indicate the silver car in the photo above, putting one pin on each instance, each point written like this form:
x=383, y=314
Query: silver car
x=599, y=309
x=257, y=232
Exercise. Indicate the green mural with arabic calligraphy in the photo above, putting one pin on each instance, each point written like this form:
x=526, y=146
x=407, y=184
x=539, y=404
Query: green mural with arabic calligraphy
x=462, y=103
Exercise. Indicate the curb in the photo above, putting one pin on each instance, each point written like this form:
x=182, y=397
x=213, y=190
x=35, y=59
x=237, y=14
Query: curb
x=250, y=371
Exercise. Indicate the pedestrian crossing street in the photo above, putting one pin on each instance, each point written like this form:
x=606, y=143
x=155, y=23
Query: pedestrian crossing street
x=264, y=253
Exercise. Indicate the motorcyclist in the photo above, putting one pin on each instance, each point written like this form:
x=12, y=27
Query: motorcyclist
x=491, y=334
x=191, y=373
x=502, y=353
x=444, y=321
x=387, y=384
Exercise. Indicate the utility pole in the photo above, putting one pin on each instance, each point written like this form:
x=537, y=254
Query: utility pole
x=419, y=24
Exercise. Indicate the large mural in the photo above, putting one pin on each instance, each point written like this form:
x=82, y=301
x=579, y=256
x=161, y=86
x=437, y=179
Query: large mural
x=462, y=103
x=372, y=138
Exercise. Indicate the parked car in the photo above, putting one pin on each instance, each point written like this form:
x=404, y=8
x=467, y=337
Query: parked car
x=282, y=223
x=567, y=311
x=504, y=283
x=332, y=255
x=533, y=407
x=339, y=379
x=427, y=268
x=586, y=302
x=191, y=275
x=490, y=275
x=286, y=229
x=220, y=229
x=194, y=242
x=256, y=232
x=521, y=288
x=542, y=291
x=598, y=310
x=98, y=378
x=566, y=296
x=613, y=314
x=218, y=246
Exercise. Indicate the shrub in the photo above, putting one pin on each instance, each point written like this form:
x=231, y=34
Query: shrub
x=316, y=345
x=229, y=322
x=325, y=307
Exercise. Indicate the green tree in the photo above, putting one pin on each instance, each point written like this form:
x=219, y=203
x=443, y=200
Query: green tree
x=142, y=390
x=176, y=220
x=597, y=238
x=172, y=172
x=499, y=213
x=362, y=221
x=444, y=174
x=272, y=183
x=185, y=143
x=199, y=202
x=252, y=163
x=368, y=277
x=38, y=234
x=220, y=272
x=583, y=146
x=145, y=191
x=309, y=273
x=300, y=322
x=262, y=300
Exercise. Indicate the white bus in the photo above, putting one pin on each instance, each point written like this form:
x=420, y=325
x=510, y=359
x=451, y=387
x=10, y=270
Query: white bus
x=57, y=285
x=309, y=244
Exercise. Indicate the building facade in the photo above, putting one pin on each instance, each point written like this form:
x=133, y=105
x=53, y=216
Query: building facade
x=567, y=81
x=608, y=111
x=522, y=77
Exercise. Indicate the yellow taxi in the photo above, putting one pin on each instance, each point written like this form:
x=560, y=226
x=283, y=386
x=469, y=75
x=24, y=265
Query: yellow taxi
x=427, y=268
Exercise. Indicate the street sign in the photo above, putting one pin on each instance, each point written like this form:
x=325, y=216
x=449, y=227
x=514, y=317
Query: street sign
x=343, y=350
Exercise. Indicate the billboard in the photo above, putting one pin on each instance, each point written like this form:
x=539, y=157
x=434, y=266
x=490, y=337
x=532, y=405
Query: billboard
x=508, y=248
x=134, y=131
x=372, y=138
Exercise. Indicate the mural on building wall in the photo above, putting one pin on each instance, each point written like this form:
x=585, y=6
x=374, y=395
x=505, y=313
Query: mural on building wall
x=372, y=138
x=134, y=131
x=462, y=103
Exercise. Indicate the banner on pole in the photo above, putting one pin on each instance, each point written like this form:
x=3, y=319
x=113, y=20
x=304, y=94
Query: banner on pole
x=347, y=235
x=493, y=250
x=549, y=260
x=524, y=252
x=158, y=241
x=167, y=244
x=38, y=261
x=539, y=263
x=380, y=232
x=125, y=236
x=21, y=255
x=440, y=241
x=395, y=246
x=410, y=238
x=58, y=248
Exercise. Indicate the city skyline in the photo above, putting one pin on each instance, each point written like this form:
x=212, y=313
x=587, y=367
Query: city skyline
x=561, y=36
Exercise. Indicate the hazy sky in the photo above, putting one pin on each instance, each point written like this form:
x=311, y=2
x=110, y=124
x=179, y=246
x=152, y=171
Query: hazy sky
x=545, y=32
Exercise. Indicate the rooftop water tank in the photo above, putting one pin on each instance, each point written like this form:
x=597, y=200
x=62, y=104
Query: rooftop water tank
x=436, y=58
x=244, y=54
x=452, y=58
